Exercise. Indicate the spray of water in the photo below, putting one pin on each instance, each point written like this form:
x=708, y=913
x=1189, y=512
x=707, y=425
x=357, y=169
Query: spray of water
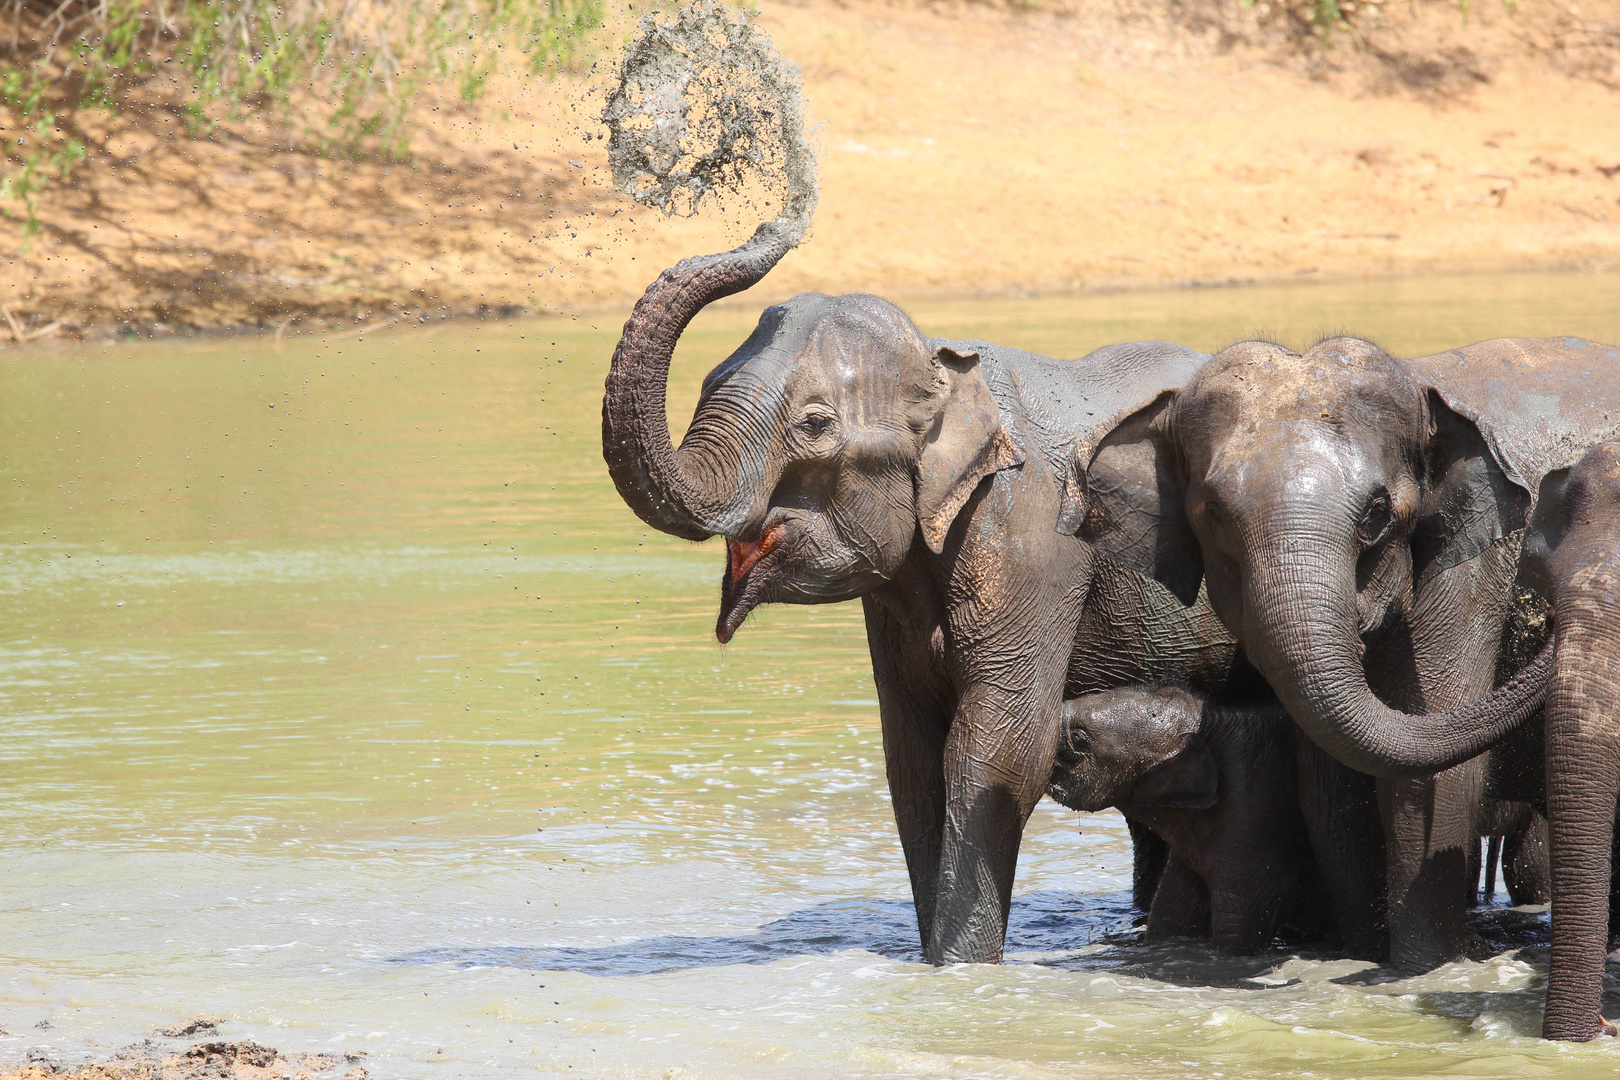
x=705, y=104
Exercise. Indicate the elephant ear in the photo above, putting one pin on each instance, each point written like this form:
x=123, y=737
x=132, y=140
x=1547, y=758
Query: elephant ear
x=965, y=443
x=1125, y=496
x=1188, y=781
x=1546, y=532
x=1471, y=497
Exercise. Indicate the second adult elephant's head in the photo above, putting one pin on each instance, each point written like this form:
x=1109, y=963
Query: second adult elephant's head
x=1316, y=497
x=821, y=449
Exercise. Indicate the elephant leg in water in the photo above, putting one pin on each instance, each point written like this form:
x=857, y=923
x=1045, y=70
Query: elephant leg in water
x=1432, y=823
x=1583, y=734
x=1149, y=855
x=1517, y=846
x=1514, y=818
x=1526, y=859
x=842, y=454
x=1340, y=808
x=1357, y=521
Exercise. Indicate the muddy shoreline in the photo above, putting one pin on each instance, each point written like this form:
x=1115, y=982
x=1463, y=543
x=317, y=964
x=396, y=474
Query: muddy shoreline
x=166, y=1055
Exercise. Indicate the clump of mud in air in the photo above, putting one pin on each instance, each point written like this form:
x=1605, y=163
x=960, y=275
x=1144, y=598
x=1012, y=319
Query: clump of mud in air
x=707, y=105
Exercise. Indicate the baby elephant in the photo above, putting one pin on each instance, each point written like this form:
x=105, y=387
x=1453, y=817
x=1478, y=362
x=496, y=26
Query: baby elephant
x=1218, y=784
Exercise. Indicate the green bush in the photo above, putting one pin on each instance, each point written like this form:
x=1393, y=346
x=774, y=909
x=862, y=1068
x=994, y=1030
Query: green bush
x=341, y=72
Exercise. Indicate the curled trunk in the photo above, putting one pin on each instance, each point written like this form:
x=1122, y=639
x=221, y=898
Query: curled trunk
x=644, y=464
x=1303, y=635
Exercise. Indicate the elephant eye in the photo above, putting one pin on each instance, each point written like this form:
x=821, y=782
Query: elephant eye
x=815, y=424
x=1077, y=741
x=1375, y=522
x=1212, y=512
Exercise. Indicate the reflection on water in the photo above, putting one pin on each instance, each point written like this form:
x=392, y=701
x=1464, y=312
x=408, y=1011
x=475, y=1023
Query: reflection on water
x=343, y=698
x=1048, y=921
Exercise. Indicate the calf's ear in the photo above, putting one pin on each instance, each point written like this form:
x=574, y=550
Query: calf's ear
x=1188, y=781
x=1125, y=496
x=964, y=443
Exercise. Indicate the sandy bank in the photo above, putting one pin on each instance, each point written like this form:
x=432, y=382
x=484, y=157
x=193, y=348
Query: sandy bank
x=964, y=151
x=160, y=1059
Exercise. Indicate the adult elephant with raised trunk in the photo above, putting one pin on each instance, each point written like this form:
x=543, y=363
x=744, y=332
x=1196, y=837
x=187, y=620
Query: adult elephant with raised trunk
x=1357, y=522
x=842, y=454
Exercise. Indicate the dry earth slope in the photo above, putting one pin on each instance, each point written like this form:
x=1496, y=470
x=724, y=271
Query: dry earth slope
x=965, y=150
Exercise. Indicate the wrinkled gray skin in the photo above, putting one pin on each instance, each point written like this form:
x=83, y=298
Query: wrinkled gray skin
x=844, y=455
x=1357, y=521
x=1514, y=817
x=1217, y=783
x=1573, y=552
x=1518, y=844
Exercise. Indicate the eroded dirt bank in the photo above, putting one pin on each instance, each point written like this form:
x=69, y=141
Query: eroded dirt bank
x=174, y=1054
x=964, y=150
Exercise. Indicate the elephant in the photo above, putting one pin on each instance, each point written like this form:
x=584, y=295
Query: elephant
x=1572, y=552
x=1518, y=845
x=1217, y=783
x=844, y=455
x=1357, y=521
x=1514, y=817
x=1149, y=856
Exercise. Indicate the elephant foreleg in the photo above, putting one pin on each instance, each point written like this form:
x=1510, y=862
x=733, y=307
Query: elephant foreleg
x=1180, y=906
x=998, y=759
x=914, y=717
x=1015, y=593
x=1246, y=903
x=1525, y=867
x=1149, y=853
x=1432, y=823
x=1430, y=889
x=913, y=751
x=1347, y=839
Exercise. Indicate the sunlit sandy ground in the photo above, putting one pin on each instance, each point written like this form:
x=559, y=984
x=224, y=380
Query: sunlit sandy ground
x=965, y=150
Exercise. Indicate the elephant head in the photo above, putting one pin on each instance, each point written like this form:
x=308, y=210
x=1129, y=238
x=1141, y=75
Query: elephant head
x=820, y=449
x=1138, y=748
x=1313, y=495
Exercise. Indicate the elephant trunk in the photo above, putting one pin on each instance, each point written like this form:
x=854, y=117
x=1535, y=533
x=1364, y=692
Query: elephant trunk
x=1583, y=778
x=649, y=472
x=1302, y=631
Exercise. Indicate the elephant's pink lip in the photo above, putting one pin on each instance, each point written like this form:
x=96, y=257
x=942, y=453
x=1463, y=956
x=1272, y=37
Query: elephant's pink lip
x=739, y=591
x=742, y=555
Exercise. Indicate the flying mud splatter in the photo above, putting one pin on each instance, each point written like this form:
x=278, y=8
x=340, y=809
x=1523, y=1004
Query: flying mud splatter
x=707, y=105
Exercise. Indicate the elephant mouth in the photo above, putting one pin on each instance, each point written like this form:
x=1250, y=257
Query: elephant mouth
x=746, y=579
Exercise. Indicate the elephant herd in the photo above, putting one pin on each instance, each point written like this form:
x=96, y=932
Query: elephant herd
x=1315, y=623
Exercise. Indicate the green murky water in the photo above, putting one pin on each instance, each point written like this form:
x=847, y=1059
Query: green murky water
x=341, y=697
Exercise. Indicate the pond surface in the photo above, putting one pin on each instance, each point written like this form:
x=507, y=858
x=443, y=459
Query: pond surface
x=342, y=698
